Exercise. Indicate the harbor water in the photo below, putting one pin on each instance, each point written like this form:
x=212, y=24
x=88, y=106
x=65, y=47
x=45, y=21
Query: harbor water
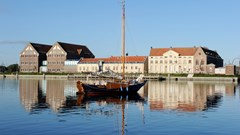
x=36, y=107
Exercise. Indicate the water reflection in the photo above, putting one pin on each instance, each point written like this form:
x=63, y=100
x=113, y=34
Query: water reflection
x=40, y=94
x=60, y=95
x=32, y=95
x=187, y=96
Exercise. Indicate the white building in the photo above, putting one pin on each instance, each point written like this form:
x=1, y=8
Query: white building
x=183, y=60
x=133, y=64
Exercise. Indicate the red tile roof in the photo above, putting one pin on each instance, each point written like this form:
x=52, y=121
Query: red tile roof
x=115, y=59
x=182, y=51
x=91, y=60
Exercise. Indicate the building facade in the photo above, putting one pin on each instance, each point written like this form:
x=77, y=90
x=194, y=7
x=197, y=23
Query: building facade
x=133, y=64
x=63, y=57
x=32, y=56
x=183, y=60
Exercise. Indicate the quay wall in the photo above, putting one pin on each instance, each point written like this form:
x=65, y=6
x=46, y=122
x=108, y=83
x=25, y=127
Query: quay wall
x=228, y=79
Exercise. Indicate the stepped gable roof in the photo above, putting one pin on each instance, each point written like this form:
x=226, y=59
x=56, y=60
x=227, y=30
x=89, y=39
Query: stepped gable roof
x=75, y=51
x=41, y=48
x=190, y=51
x=211, y=53
x=115, y=59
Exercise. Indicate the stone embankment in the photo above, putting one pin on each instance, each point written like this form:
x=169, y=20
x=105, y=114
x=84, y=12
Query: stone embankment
x=161, y=78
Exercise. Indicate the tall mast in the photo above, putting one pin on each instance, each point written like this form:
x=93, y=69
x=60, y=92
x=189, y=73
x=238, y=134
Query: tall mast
x=123, y=38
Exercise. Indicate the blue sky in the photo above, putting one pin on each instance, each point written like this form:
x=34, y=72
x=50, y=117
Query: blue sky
x=97, y=24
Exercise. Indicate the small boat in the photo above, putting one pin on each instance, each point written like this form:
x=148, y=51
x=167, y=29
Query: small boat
x=117, y=86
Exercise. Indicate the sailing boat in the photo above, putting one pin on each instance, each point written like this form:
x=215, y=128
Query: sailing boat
x=118, y=86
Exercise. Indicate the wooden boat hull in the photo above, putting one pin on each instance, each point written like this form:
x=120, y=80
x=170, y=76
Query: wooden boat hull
x=96, y=90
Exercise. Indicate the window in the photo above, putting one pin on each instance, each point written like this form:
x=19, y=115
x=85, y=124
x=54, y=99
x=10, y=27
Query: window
x=197, y=62
x=156, y=61
x=151, y=61
x=189, y=61
x=202, y=62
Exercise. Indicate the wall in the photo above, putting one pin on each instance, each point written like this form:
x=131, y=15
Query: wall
x=221, y=70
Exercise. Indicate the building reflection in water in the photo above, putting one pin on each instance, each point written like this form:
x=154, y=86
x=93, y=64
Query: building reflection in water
x=190, y=96
x=32, y=94
x=187, y=96
x=40, y=94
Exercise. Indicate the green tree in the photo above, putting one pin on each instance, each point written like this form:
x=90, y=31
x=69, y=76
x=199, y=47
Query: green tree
x=3, y=69
x=13, y=68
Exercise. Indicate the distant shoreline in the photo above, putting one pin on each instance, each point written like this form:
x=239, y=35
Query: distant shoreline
x=149, y=77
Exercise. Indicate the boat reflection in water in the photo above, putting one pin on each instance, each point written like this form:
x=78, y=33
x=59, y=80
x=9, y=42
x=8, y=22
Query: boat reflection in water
x=187, y=96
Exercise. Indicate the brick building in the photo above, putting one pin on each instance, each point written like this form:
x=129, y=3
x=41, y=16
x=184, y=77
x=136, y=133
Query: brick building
x=32, y=56
x=63, y=57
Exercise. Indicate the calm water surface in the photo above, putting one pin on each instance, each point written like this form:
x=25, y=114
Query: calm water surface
x=36, y=107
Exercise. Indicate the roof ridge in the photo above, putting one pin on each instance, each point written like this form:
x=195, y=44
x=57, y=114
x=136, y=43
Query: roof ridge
x=73, y=44
x=34, y=43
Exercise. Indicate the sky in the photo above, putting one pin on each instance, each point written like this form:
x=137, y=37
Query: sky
x=214, y=24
